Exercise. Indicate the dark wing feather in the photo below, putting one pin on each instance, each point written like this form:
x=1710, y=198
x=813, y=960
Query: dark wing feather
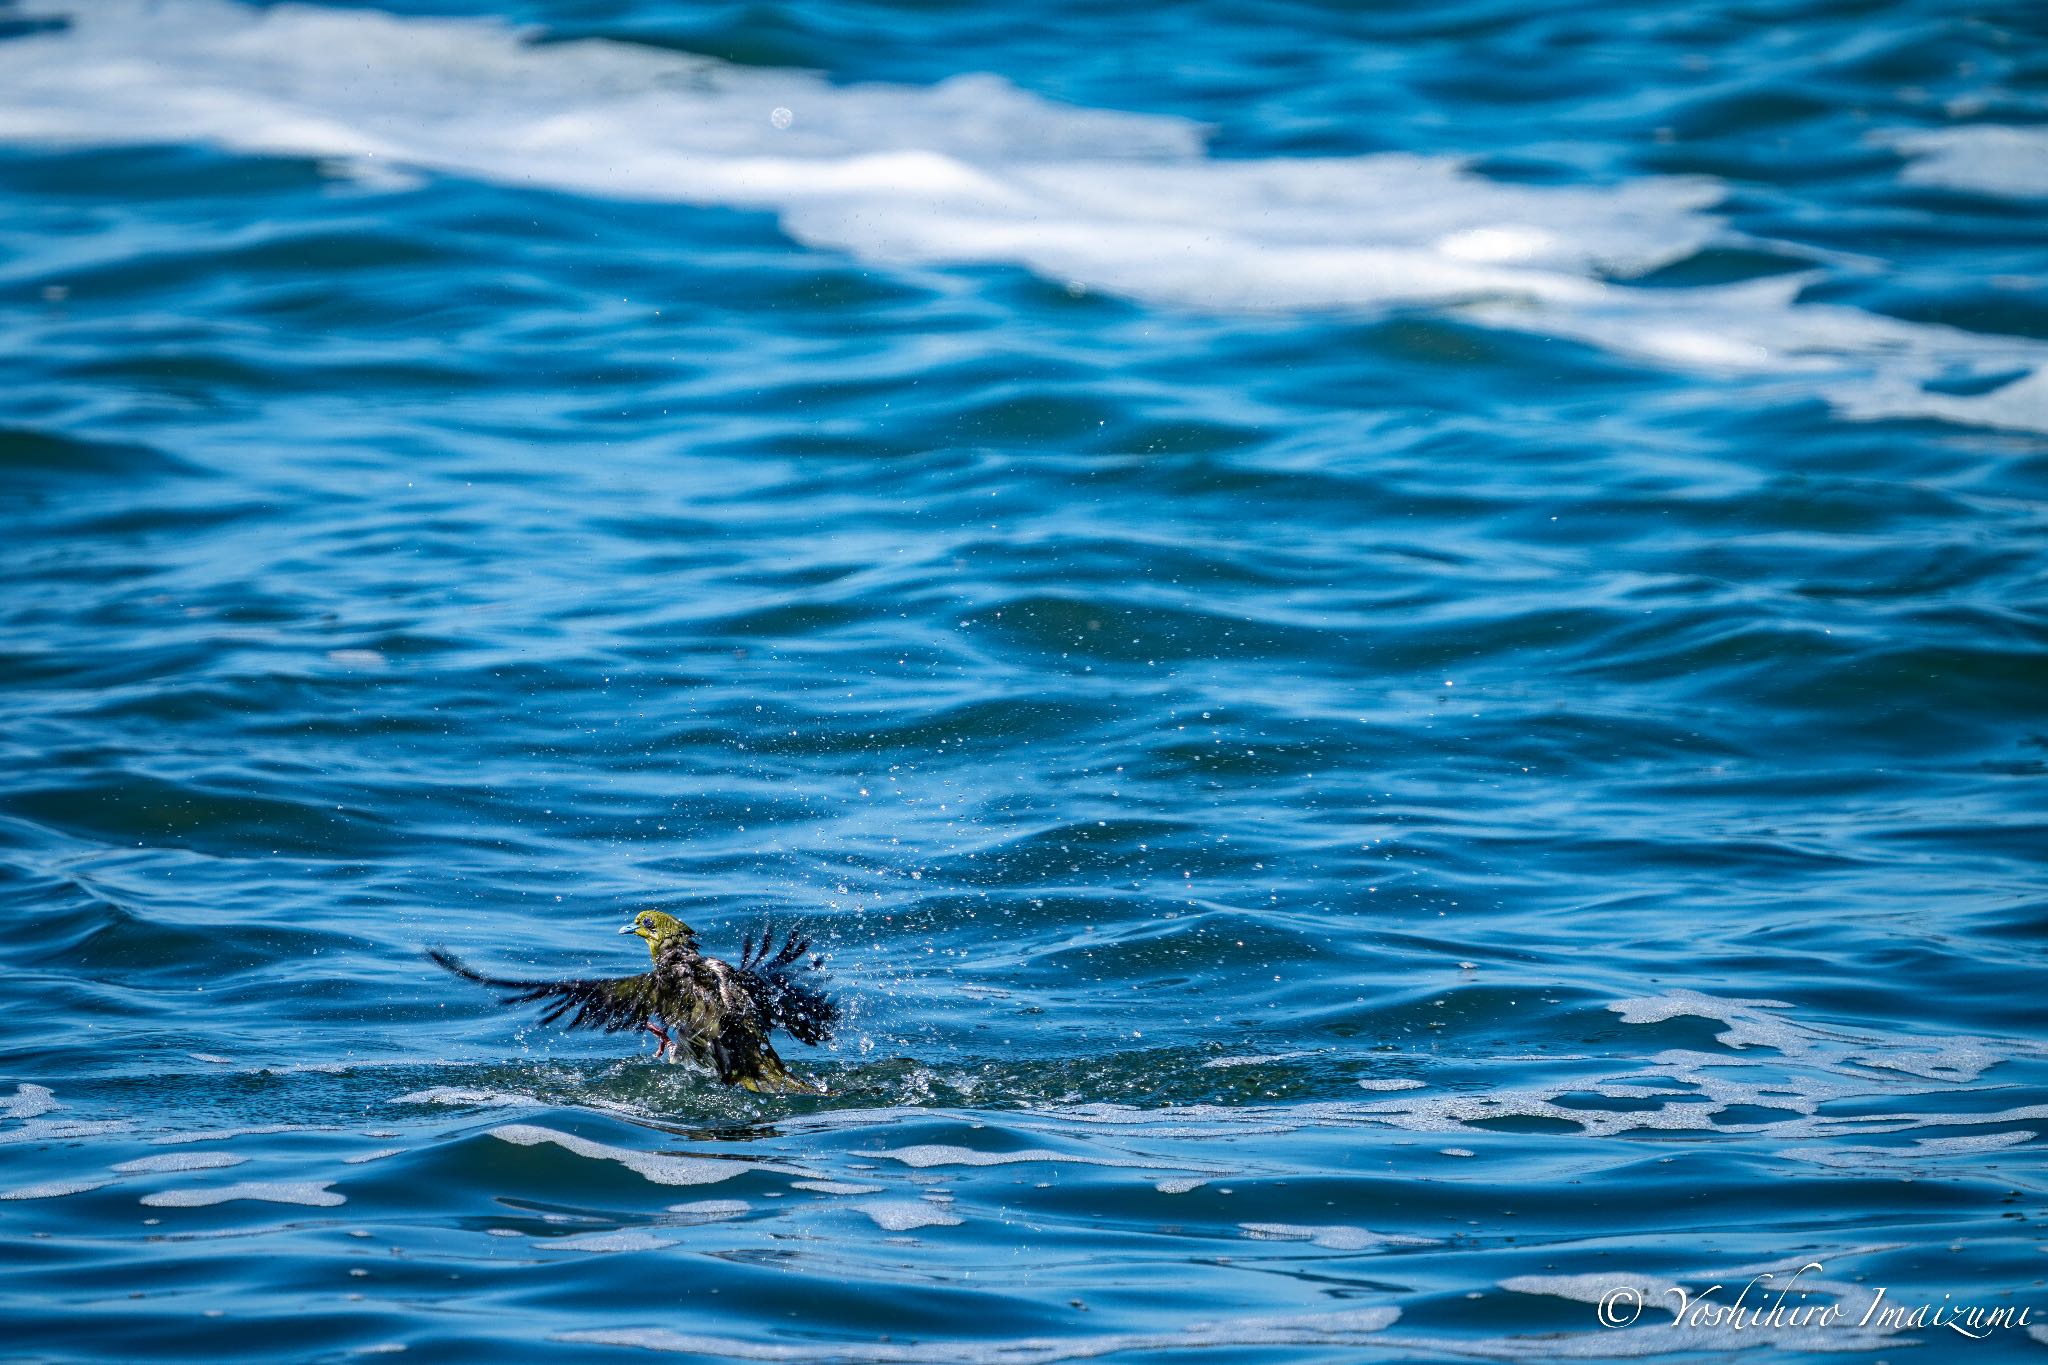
x=776, y=981
x=613, y=1004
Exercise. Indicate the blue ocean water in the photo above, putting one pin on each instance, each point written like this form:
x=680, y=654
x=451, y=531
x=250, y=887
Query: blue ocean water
x=1401, y=654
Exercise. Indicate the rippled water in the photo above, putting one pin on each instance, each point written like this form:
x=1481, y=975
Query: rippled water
x=1402, y=655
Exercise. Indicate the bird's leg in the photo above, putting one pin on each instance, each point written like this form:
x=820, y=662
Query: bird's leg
x=661, y=1033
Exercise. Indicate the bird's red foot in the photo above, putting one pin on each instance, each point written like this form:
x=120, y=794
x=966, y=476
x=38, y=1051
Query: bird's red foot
x=661, y=1049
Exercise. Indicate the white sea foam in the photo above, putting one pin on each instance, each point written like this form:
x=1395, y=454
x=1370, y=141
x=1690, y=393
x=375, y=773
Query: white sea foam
x=974, y=170
x=1846, y=1052
x=313, y=1193
x=1776, y=1063
x=1682, y=1341
x=1354, y=1328
x=833, y=1187
x=1779, y=1075
x=2021, y=405
x=1594, y=1287
x=1656, y=1295
x=55, y=1189
x=226, y=1134
x=1333, y=1237
x=1961, y=1146
x=901, y=1215
x=180, y=1161
x=465, y=1097
x=649, y=1166
x=1983, y=158
x=61, y=1130
x=1657, y=1009
x=936, y=1154
x=625, y=1239
x=364, y=1158
x=28, y=1101
x=1918, y=1157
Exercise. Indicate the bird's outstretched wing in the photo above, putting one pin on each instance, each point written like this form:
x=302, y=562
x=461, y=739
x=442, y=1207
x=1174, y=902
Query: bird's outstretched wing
x=613, y=1004
x=775, y=978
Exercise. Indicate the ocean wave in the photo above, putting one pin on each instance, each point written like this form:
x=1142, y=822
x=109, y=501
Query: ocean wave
x=973, y=170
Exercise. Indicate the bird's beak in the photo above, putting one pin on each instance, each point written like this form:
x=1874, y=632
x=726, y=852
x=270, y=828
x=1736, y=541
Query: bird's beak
x=630, y=929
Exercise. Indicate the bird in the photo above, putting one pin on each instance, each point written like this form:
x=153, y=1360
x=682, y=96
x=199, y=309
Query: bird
x=720, y=1012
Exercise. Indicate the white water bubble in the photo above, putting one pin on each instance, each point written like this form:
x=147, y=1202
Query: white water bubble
x=781, y=117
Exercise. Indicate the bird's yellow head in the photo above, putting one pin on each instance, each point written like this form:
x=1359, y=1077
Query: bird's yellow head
x=660, y=929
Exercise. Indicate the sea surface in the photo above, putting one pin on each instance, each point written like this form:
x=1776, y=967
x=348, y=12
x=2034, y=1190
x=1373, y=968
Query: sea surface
x=1399, y=653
